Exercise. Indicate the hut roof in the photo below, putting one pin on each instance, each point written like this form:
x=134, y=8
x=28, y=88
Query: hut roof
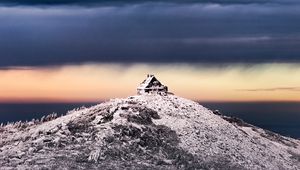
x=148, y=82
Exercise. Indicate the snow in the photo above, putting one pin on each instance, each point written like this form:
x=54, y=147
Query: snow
x=145, y=132
x=146, y=82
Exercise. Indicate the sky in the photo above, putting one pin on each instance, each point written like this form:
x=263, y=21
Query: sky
x=93, y=50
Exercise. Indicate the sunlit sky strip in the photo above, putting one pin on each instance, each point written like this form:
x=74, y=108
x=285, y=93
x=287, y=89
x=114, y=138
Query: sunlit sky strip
x=98, y=82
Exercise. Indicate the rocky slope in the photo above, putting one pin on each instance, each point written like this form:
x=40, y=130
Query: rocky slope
x=144, y=132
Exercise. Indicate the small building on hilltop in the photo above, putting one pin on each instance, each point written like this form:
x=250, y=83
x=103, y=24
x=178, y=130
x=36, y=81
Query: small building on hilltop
x=152, y=86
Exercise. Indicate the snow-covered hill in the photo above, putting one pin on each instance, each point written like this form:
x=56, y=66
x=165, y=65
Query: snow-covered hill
x=144, y=132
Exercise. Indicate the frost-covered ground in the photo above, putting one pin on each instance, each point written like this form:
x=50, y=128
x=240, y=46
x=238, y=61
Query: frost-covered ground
x=144, y=132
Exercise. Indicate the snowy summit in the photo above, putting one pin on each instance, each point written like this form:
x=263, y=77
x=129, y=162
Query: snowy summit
x=150, y=131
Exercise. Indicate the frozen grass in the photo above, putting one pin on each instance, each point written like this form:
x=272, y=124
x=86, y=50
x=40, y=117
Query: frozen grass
x=144, y=132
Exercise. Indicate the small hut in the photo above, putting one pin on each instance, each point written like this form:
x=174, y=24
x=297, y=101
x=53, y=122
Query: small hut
x=152, y=86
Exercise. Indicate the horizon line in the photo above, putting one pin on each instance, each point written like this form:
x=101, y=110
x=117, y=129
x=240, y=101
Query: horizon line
x=62, y=101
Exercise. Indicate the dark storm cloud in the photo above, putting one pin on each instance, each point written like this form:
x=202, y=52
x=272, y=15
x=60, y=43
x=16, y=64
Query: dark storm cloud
x=16, y=68
x=150, y=32
x=120, y=2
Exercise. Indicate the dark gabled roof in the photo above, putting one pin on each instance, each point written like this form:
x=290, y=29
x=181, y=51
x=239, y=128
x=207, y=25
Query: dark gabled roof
x=147, y=82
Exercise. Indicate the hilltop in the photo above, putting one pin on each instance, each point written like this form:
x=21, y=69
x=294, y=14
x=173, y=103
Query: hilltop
x=148, y=131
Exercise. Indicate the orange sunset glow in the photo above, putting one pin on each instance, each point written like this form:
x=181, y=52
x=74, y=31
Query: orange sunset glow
x=98, y=82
